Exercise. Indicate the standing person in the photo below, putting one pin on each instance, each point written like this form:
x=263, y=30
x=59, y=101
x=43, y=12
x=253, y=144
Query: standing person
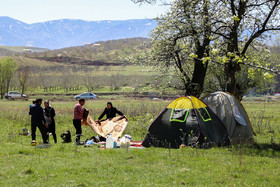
x=49, y=115
x=110, y=112
x=77, y=120
x=38, y=120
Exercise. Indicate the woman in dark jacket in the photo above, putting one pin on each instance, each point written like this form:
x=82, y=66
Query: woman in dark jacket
x=110, y=112
x=49, y=115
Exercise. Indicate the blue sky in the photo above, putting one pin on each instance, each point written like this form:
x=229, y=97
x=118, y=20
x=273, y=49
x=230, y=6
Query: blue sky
x=32, y=11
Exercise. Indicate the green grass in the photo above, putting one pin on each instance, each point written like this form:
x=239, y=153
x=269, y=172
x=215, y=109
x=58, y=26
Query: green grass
x=66, y=165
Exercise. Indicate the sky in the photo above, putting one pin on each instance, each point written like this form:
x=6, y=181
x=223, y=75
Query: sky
x=33, y=11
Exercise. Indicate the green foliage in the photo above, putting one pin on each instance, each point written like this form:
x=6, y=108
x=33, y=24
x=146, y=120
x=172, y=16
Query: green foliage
x=182, y=44
x=7, y=69
x=250, y=77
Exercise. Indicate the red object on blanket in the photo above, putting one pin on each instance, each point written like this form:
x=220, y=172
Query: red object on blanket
x=136, y=144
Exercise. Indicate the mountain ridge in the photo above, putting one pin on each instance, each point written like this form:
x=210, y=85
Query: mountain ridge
x=56, y=34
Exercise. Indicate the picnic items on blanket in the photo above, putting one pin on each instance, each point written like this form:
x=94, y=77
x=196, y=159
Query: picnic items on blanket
x=125, y=141
x=109, y=142
x=136, y=144
x=114, y=126
x=89, y=143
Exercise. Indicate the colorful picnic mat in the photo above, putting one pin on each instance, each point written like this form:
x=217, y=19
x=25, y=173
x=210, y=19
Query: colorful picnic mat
x=114, y=126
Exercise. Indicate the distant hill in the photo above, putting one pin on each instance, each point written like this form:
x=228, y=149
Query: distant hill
x=21, y=49
x=65, y=33
x=112, y=52
x=6, y=52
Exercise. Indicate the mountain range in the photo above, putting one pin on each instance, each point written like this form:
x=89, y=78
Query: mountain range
x=68, y=32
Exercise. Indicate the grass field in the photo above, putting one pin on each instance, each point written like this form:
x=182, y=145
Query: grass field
x=68, y=165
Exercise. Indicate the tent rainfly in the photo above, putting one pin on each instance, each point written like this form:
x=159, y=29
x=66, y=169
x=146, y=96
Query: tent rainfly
x=186, y=120
x=232, y=113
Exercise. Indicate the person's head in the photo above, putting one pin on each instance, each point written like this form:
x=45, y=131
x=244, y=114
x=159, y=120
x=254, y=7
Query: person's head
x=47, y=103
x=38, y=101
x=82, y=101
x=34, y=102
x=109, y=105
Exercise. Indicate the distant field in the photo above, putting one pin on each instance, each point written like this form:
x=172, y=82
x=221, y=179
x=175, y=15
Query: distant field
x=67, y=165
x=22, y=48
x=60, y=78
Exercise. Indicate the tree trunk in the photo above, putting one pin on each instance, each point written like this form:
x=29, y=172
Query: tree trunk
x=2, y=89
x=230, y=70
x=199, y=74
x=22, y=90
x=8, y=85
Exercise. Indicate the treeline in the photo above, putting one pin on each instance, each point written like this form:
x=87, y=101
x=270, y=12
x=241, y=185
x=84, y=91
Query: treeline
x=75, y=78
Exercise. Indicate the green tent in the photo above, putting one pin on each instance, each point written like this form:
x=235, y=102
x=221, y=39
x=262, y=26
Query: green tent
x=186, y=120
x=232, y=113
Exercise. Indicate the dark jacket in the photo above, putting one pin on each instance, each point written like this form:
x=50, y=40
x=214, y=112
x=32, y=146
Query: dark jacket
x=37, y=113
x=110, y=113
x=50, y=112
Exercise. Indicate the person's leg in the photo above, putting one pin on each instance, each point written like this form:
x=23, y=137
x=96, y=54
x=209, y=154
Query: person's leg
x=33, y=130
x=78, y=127
x=52, y=129
x=43, y=131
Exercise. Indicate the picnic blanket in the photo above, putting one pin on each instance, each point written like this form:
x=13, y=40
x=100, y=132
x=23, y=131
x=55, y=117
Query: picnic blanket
x=114, y=126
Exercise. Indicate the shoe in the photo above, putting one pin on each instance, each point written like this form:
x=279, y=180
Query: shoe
x=33, y=143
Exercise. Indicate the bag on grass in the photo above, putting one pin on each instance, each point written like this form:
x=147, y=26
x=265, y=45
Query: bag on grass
x=66, y=137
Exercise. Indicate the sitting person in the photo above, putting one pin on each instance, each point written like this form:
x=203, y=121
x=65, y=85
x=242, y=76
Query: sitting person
x=110, y=112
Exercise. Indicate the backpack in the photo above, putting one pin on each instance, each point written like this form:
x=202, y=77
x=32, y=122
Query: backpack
x=66, y=137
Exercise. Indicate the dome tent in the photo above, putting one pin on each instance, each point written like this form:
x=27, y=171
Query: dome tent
x=232, y=113
x=186, y=120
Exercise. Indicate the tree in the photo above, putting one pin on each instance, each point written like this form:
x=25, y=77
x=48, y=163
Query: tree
x=7, y=69
x=243, y=23
x=23, y=74
x=233, y=26
x=247, y=78
x=181, y=43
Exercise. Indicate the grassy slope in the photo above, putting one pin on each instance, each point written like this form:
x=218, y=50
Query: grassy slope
x=63, y=164
x=108, y=51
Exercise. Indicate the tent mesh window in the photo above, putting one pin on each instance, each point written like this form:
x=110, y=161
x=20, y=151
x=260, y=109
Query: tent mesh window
x=237, y=115
x=204, y=114
x=179, y=115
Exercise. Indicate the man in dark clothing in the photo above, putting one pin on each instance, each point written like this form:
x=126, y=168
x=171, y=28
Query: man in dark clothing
x=110, y=112
x=49, y=116
x=77, y=120
x=38, y=120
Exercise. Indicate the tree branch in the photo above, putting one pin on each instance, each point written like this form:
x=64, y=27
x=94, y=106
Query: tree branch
x=262, y=30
